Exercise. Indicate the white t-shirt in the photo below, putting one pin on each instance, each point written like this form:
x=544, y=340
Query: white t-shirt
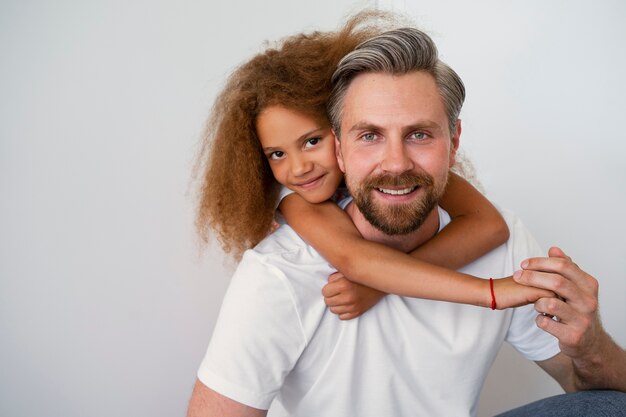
x=276, y=345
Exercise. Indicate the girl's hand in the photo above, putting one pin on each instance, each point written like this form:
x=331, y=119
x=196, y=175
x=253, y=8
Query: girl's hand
x=348, y=299
x=274, y=227
x=511, y=294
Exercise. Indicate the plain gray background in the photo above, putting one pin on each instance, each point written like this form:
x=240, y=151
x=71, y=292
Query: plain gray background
x=106, y=301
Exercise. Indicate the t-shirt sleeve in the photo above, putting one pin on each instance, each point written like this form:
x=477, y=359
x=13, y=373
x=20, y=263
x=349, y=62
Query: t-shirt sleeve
x=284, y=192
x=523, y=334
x=528, y=339
x=258, y=336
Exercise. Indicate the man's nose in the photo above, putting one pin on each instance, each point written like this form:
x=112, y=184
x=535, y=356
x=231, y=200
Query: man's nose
x=396, y=159
x=300, y=165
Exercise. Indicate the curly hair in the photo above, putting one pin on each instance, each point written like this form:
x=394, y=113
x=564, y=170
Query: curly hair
x=237, y=192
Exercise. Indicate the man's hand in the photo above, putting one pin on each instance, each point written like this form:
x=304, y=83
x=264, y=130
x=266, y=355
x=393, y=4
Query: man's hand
x=577, y=324
x=348, y=299
x=572, y=317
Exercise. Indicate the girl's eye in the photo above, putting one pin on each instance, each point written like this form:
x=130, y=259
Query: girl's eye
x=311, y=142
x=276, y=155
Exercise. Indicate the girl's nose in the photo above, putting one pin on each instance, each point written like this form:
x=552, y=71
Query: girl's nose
x=300, y=166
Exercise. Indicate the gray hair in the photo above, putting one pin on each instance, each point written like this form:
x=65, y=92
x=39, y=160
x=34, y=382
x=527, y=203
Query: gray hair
x=397, y=51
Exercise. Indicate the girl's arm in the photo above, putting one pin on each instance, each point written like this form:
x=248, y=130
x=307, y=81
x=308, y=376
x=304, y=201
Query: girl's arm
x=327, y=228
x=476, y=227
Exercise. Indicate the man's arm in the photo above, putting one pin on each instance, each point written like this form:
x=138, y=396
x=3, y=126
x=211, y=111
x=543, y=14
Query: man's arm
x=207, y=403
x=589, y=357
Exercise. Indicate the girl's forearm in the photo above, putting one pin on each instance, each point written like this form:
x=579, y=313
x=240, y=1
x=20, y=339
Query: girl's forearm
x=391, y=271
x=476, y=228
x=330, y=231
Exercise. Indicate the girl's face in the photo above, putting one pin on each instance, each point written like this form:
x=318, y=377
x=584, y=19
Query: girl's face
x=301, y=152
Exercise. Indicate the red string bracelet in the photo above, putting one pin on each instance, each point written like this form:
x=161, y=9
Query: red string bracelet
x=493, y=295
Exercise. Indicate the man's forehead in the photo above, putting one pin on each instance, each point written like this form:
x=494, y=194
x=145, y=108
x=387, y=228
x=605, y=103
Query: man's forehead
x=379, y=99
x=372, y=79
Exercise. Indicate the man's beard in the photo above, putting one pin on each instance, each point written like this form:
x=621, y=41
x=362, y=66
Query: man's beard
x=398, y=218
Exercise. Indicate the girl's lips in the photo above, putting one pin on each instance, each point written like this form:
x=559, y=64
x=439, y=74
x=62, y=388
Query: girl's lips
x=310, y=183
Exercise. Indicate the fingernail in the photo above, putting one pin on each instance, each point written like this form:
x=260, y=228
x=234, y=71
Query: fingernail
x=517, y=275
x=524, y=263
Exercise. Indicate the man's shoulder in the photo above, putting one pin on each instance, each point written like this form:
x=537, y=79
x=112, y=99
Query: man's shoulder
x=517, y=228
x=506, y=258
x=522, y=243
x=512, y=220
x=283, y=249
x=282, y=266
x=283, y=240
x=509, y=216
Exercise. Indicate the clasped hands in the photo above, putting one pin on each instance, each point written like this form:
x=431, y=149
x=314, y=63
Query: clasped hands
x=575, y=305
x=555, y=284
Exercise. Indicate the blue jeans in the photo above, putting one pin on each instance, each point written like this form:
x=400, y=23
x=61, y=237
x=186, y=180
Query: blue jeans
x=577, y=404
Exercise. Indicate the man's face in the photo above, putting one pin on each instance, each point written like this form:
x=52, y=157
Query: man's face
x=395, y=148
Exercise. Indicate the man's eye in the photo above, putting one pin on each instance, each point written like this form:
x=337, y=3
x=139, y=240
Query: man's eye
x=276, y=155
x=368, y=137
x=419, y=135
x=311, y=142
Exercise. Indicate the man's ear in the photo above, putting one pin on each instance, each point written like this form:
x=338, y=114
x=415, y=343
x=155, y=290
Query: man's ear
x=454, y=145
x=338, y=153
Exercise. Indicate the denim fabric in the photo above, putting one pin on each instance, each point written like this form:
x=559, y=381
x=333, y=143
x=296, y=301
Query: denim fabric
x=577, y=404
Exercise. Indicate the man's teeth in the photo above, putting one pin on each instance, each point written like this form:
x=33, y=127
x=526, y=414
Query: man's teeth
x=397, y=192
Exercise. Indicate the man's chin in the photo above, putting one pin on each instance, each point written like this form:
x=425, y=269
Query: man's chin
x=398, y=220
x=398, y=217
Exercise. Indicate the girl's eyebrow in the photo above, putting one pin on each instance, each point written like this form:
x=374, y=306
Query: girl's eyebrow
x=302, y=138
x=310, y=133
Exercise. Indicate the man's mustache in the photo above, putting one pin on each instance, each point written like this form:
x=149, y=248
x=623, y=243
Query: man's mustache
x=404, y=180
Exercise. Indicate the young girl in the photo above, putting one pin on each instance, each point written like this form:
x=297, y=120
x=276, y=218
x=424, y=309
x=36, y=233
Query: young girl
x=269, y=126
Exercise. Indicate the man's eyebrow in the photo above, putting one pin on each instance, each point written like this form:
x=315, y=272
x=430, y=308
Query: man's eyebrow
x=421, y=124
x=425, y=124
x=363, y=126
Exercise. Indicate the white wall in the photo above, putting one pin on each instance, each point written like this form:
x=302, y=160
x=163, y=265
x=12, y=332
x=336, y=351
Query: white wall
x=106, y=306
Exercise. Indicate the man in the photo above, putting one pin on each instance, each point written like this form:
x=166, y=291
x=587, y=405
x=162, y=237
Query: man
x=394, y=111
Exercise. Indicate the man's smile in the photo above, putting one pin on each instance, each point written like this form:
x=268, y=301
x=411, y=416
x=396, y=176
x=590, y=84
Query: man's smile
x=402, y=191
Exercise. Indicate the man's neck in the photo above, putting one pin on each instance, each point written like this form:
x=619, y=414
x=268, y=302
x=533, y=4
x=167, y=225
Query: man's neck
x=405, y=243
